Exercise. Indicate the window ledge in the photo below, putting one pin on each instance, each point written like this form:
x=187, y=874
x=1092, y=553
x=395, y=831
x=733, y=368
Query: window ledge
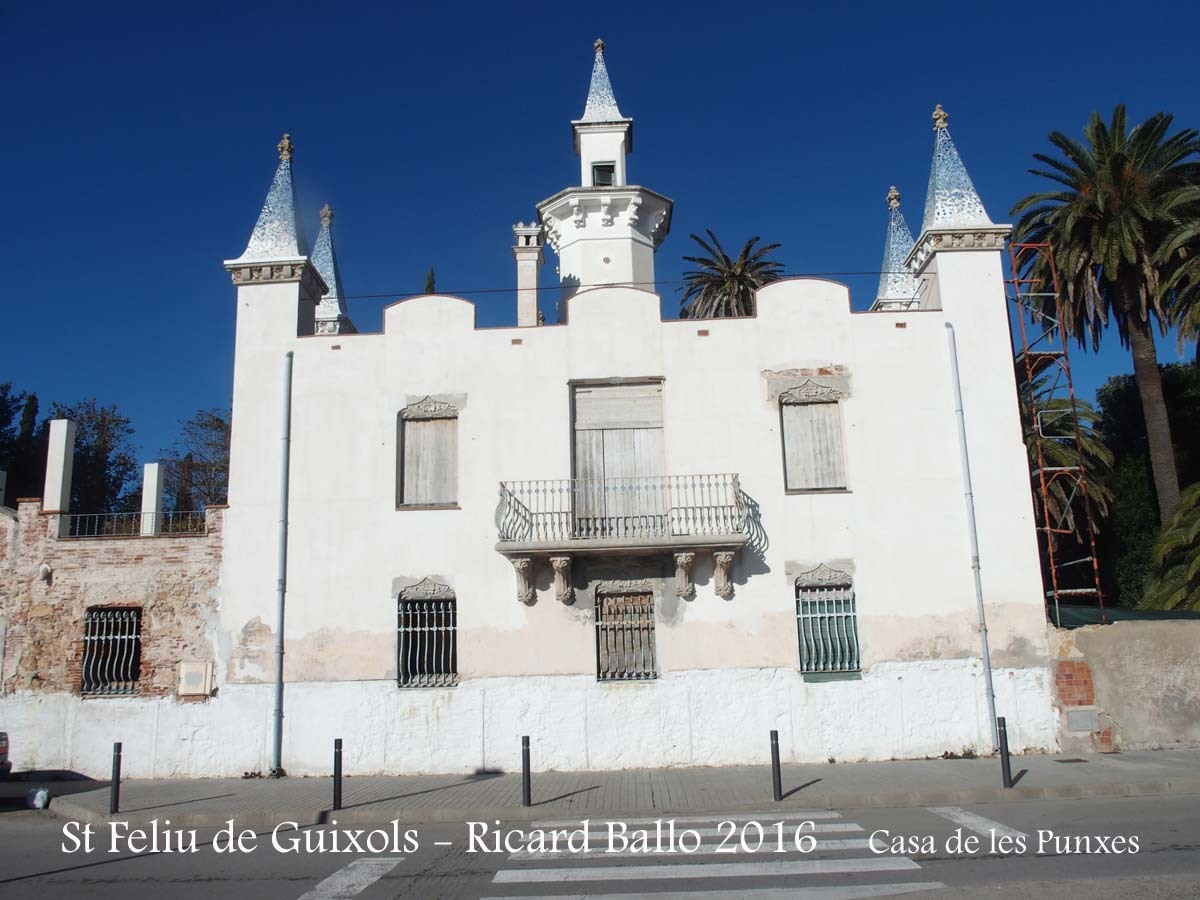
x=821, y=677
x=792, y=491
x=403, y=507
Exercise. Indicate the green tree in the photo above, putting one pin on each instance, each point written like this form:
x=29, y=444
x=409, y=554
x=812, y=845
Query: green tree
x=22, y=454
x=1055, y=435
x=721, y=286
x=1128, y=534
x=1107, y=223
x=104, y=478
x=196, y=468
x=430, y=282
x=1175, y=583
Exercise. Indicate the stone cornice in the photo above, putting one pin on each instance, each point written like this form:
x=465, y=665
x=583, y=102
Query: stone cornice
x=427, y=589
x=981, y=237
x=278, y=272
x=823, y=576
x=811, y=392
x=428, y=408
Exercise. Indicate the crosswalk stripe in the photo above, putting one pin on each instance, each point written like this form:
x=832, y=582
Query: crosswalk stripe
x=352, y=880
x=807, y=893
x=708, y=870
x=972, y=822
x=773, y=816
x=704, y=849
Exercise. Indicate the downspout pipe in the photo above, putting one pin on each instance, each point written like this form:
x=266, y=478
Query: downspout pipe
x=281, y=571
x=972, y=531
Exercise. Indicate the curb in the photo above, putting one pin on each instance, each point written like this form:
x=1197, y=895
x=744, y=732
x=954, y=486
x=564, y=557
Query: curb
x=67, y=808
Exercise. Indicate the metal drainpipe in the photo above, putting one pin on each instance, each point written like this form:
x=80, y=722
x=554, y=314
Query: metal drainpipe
x=970, y=495
x=281, y=573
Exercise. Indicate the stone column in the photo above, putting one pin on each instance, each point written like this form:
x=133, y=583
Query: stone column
x=523, y=566
x=684, y=588
x=152, y=496
x=563, y=589
x=60, y=459
x=723, y=561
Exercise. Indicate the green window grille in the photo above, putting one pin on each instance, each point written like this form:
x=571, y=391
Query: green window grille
x=828, y=626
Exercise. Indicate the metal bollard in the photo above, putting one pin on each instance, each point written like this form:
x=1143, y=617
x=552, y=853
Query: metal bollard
x=1005, y=763
x=337, y=773
x=114, y=791
x=776, y=776
x=525, y=791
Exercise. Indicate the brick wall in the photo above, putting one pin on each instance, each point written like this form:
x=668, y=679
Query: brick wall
x=172, y=579
x=1073, y=679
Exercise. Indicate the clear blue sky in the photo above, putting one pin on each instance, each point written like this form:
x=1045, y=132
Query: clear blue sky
x=140, y=142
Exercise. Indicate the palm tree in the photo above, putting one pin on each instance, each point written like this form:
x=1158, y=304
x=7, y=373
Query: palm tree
x=1180, y=254
x=1176, y=583
x=722, y=286
x=1056, y=435
x=1106, y=223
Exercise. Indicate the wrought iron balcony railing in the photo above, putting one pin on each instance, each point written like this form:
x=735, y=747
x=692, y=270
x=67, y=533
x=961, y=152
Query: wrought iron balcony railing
x=133, y=524
x=620, y=509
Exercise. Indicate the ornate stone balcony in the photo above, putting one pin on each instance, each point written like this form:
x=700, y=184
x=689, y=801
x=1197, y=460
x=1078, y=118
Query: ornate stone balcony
x=677, y=514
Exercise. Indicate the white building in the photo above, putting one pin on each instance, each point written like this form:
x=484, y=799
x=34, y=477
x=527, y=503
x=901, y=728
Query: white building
x=641, y=542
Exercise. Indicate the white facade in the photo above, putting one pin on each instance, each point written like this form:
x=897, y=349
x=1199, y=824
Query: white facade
x=728, y=664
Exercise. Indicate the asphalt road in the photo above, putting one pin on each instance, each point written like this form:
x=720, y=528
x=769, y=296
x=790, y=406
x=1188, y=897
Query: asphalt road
x=831, y=855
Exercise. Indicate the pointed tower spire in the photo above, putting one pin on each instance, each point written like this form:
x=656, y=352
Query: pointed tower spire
x=897, y=286
x=277, y=235
x=331, y=315
x=601, y=102
x=951, y=201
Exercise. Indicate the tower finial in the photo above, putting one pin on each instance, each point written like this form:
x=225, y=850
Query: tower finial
x=326, y=215
x=286, y=147
x=939, y=117
x=601, y=103
x=951, y=201
x=897, y=286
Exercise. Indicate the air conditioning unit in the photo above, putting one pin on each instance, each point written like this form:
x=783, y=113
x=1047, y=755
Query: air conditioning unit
x=195, y=679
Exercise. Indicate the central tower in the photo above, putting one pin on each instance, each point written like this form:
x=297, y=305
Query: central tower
x=605, y=231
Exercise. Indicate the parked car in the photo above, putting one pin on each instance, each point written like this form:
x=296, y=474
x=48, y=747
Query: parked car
x=5, y=765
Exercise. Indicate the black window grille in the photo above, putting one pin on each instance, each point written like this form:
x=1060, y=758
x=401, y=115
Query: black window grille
x=112, y=650
x=625, y=637
x=427, y=632
x=828, y=624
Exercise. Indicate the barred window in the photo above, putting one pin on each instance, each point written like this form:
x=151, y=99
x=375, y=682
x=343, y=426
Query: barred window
x=427, y=638
x=112, y=650
x=625, y=637
x=828, y=626
x=811, y=419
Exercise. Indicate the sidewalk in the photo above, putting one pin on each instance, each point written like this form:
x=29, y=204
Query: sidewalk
x=647, y=792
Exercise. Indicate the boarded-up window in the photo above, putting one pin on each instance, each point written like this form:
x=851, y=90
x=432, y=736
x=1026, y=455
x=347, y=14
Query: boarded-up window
x=428, y=458
x=812, y=439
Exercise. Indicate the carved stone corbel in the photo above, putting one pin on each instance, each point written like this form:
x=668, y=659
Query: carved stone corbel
x=723, y=561
x=523, y=566
x=563, y=588
x=684, y=588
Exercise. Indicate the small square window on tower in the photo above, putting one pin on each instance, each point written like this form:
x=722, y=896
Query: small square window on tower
x=604, y=174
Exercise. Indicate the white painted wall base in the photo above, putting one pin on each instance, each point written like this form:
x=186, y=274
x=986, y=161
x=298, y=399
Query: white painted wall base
x=695, y=718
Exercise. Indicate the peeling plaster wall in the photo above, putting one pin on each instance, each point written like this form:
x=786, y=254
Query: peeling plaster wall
x=714, y=717
x=1140, y=679
x=902, y=522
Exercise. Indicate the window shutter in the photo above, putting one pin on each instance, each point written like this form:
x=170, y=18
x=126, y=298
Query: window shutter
x=812, y=443
x=430, y=461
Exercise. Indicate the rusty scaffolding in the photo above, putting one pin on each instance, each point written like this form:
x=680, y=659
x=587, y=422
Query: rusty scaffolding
x=1050, y=416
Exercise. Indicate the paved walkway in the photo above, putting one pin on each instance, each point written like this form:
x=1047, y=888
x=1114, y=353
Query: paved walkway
x=441, y=798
